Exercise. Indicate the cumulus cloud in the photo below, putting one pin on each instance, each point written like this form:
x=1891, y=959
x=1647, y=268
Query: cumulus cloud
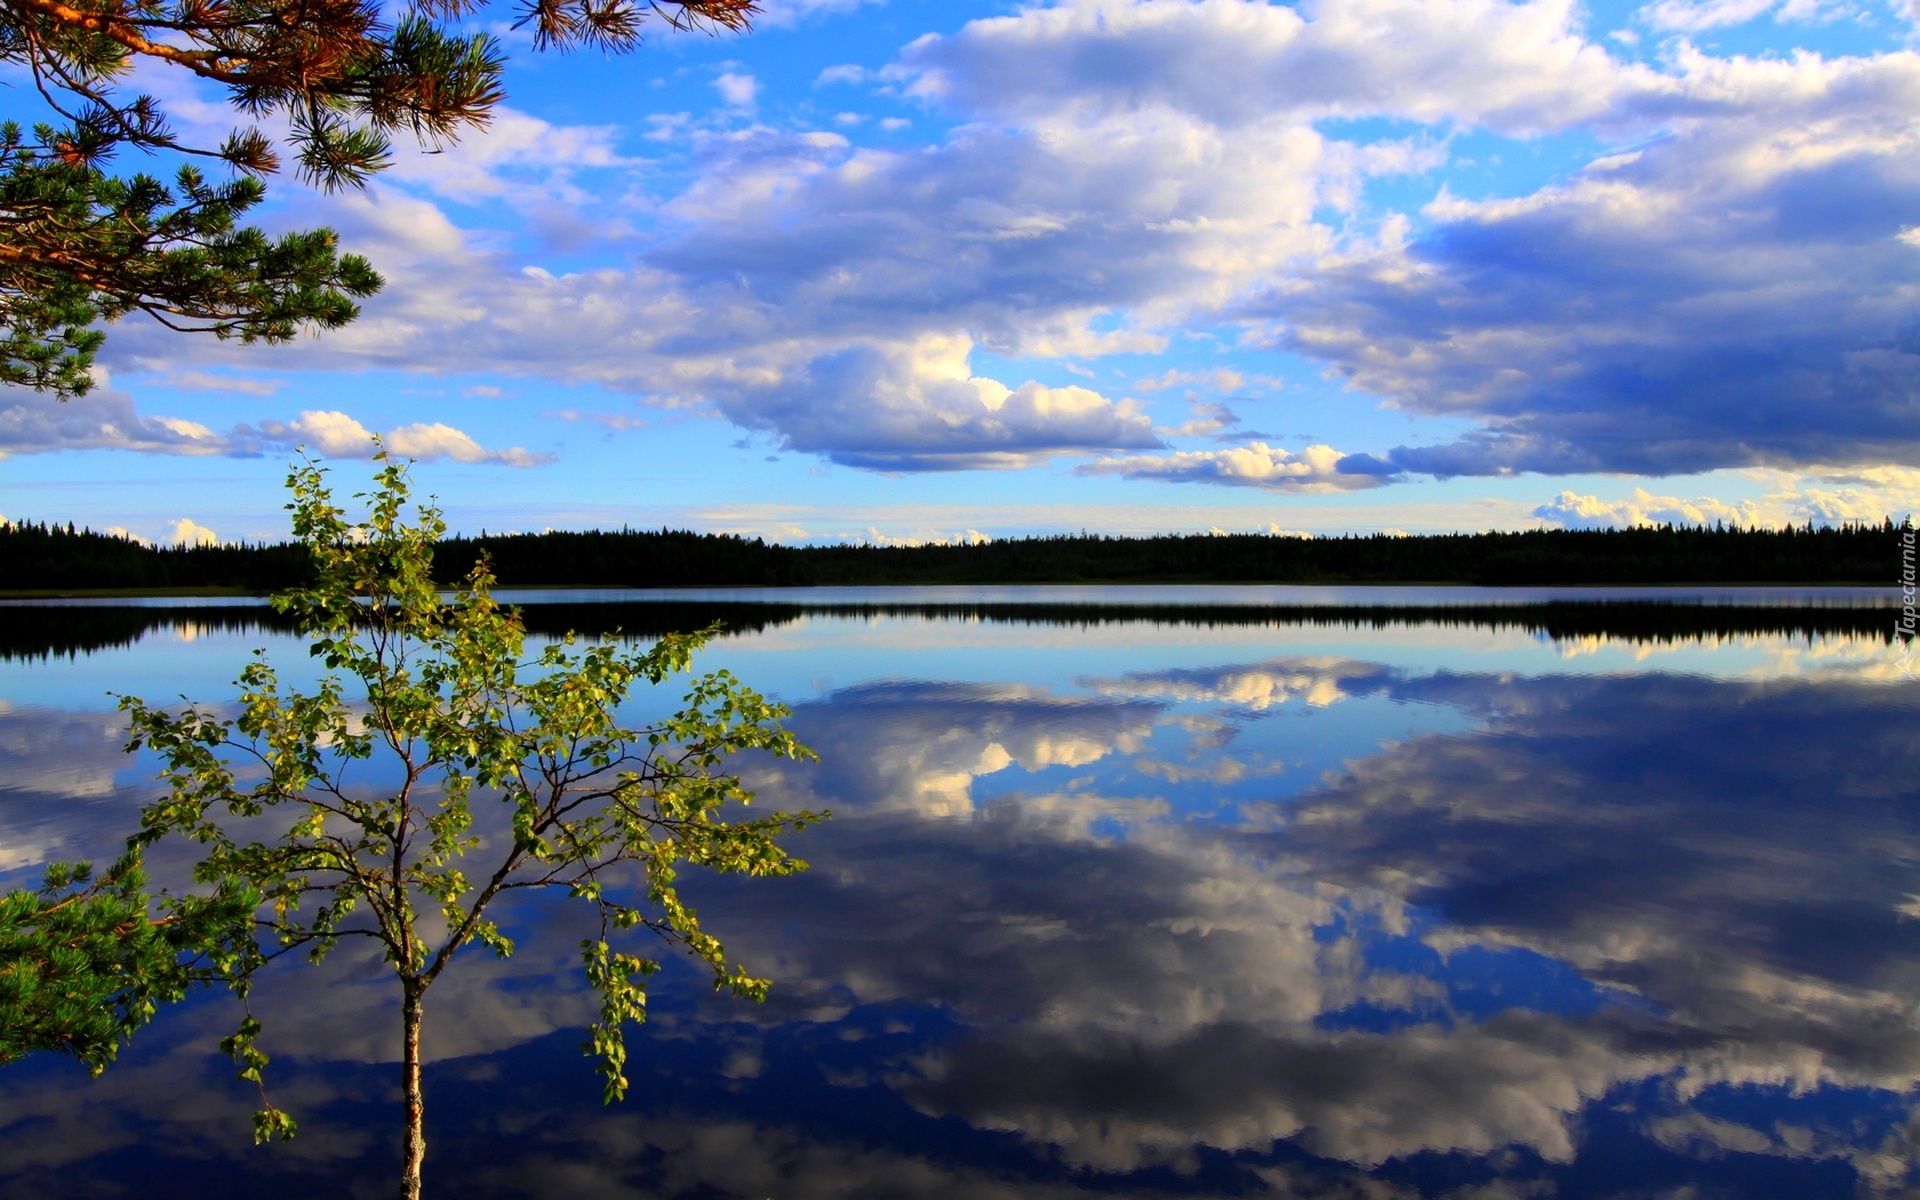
x=542, y=170
x=1833, y=497
x=921, y=408
x=919, y=747
x=1871, y=494
x=856, y=378
x=337, y=435
x=1121, y=170
x=1312, y=471
x=1317, y=682
x=1701, y=303
x=806, y=258
x=738, y=90
x=1642, y=508
x=1519, y=68
x=874, y=536
x=188, y=532
x=105, y=418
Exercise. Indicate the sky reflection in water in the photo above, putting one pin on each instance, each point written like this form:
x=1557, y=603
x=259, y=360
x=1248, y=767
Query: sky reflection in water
x=1133, y=907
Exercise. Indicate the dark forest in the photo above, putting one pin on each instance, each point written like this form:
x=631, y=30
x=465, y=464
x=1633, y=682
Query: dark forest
x=55, y=558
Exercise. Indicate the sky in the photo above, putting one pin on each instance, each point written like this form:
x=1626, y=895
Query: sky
x=911, y=270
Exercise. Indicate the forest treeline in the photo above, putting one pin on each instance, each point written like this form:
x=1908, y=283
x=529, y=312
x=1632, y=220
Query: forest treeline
x=62, y=558
x=35, y=633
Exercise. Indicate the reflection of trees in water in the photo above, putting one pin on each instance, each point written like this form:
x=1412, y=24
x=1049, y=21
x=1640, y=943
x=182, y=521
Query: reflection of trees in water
x=41, y=632
x=1650, y=920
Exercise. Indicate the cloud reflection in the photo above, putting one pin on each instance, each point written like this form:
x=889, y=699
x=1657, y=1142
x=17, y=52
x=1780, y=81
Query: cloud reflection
x=1728, y=888
x=1645, y=912
x=58, y=780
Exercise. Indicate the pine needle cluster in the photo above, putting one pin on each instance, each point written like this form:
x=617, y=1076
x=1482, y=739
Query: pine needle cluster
x=85, y=960
x=334, y=80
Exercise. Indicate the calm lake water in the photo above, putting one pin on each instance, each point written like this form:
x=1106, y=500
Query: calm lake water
x=1294, y=892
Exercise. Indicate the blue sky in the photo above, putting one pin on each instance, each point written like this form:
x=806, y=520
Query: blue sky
x=899, y=269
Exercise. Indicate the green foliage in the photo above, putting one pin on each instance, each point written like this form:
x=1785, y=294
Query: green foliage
x=83, y=962
x=78, y=247
x=445, y=697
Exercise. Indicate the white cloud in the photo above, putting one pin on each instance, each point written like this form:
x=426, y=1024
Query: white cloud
x=427, y=442
x=1316, y=682
x=1314, y=470
x=1642, y=508
x=800, y=523
x=188, y=532
x=919, y=407
x=777, y=13
x=1519, y=68
x=104, y=418
x=333, y=434
x=1121, y=170
x=874, y=536
x=1667, y=902
x=739, y=91
x=1699, y=16
x=1219, y=379
x=1822, y=498
x=1208, y=420
x=337, y=435
x=1709, y=303
x=522, y=160
x=207, y=381
x=803, y=268
x=1692, y=16
x=841, y=73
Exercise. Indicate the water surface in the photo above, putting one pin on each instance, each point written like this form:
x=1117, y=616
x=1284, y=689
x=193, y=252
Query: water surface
x=1131, y=891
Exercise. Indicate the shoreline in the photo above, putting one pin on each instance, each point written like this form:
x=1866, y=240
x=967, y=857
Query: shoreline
x=776, y=593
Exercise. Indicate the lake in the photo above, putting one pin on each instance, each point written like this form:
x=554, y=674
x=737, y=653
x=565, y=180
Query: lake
x=1154, y=892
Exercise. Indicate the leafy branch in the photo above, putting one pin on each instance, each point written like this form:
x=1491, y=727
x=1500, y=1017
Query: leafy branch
x=453, y=711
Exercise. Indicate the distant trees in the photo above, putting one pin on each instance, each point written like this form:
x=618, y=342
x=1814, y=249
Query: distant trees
x=1862, y=553
x=60, y=558
x=38, y=556
x=79, y=245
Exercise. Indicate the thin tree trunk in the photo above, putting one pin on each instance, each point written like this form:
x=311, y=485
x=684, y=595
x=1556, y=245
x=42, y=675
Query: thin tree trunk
x=414, y=1153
